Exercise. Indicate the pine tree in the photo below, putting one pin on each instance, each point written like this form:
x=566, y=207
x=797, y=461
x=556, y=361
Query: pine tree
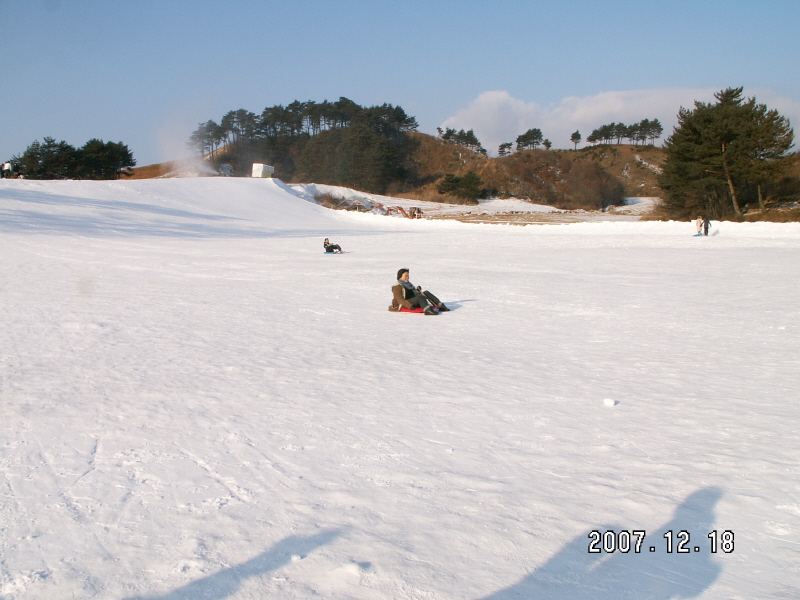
x=654, y=131
x=469, y=187
x=103, y=160
x=48, y=160
x=717, y=148
x=530, y=139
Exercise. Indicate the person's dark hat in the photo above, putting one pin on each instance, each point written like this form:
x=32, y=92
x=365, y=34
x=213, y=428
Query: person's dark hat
x=400, y=273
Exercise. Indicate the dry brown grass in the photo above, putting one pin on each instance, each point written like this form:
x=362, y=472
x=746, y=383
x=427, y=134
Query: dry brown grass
x=330, y=201
x=559, y=178
x=621, y=161
x=151, y=171
x=433, y=158
x=793, y=168
x=774, y=215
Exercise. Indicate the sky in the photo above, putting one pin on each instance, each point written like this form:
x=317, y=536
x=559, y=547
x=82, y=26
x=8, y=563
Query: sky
x=147, y=73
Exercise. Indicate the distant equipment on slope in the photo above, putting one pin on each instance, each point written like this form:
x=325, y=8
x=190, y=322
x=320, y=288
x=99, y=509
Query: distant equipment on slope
x=261, y=170
x=359, y=205
x=413, y=212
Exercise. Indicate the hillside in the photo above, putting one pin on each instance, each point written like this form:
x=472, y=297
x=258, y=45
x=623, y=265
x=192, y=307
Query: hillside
x=174, y=168
x=588, y=179
x=566, y=179
x=535, y=174
x=636, y=167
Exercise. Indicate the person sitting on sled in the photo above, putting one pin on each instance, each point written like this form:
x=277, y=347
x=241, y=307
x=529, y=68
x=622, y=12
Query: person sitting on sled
x=331, y=247
x=405, y=295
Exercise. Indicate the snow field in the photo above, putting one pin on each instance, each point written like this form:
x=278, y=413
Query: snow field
x=198, y=403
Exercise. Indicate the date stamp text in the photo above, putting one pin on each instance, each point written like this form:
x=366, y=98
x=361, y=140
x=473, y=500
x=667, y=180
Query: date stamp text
x=671, y=542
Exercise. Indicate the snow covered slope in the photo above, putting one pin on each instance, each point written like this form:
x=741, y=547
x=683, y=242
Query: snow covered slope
x=196, y=402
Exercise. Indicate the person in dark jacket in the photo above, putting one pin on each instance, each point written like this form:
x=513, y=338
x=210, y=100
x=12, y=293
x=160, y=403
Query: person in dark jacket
x=706, y=225
x=405, y=295
x=331, y=247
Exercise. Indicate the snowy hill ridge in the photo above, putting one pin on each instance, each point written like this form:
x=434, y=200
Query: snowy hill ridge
x=197, y=402
x=243, y=206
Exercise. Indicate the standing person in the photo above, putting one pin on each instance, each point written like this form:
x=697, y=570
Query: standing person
x=699, y=224
x=405, y=295
x=331, y=247
x=706, y=225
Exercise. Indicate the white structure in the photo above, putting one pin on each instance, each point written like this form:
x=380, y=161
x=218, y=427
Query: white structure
x=260, y=170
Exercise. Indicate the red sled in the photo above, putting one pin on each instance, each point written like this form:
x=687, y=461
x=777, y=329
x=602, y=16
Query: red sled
x=412, y=310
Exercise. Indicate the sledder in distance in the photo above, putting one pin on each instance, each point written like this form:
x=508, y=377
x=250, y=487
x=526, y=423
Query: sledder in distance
x=332, y=248
x=407, y=298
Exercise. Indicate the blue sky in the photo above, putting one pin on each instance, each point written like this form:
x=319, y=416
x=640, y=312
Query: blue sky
x=148, y=72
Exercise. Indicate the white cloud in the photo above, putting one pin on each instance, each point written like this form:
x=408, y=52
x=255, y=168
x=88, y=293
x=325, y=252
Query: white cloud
x=786, y=106
x=497, y=117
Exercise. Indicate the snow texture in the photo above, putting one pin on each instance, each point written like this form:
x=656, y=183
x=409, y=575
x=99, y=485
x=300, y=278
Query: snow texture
x=196, y=403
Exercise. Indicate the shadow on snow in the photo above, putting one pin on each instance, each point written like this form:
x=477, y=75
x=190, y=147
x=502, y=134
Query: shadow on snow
x=573, y=573
x=113, y=218
x=226, y=583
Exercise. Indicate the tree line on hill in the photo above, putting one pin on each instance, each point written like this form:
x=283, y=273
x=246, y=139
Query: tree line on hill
x=637, y=133
x=468, y=139
x=339, y=143
x=530, y=140
x=96, y=159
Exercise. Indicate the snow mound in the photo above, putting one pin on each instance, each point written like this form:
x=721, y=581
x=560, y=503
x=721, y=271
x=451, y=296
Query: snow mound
x=189, y=206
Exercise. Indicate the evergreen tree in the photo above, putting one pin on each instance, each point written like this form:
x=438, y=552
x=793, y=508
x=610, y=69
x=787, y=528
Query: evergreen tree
x=717, y=148
x=636, y=133
x=59, y=160
x=103, y=160
x=238, y=128
x=633, y=132
x=504, y=149
x=48, y=160
x=287, y=138
x=469, y=187
x=772, y=138
x=530, y=139
x=575, y=138
x=468, y=139
x=606, y=133
x=620, y=131
x=207, y=138
x=654, y=131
